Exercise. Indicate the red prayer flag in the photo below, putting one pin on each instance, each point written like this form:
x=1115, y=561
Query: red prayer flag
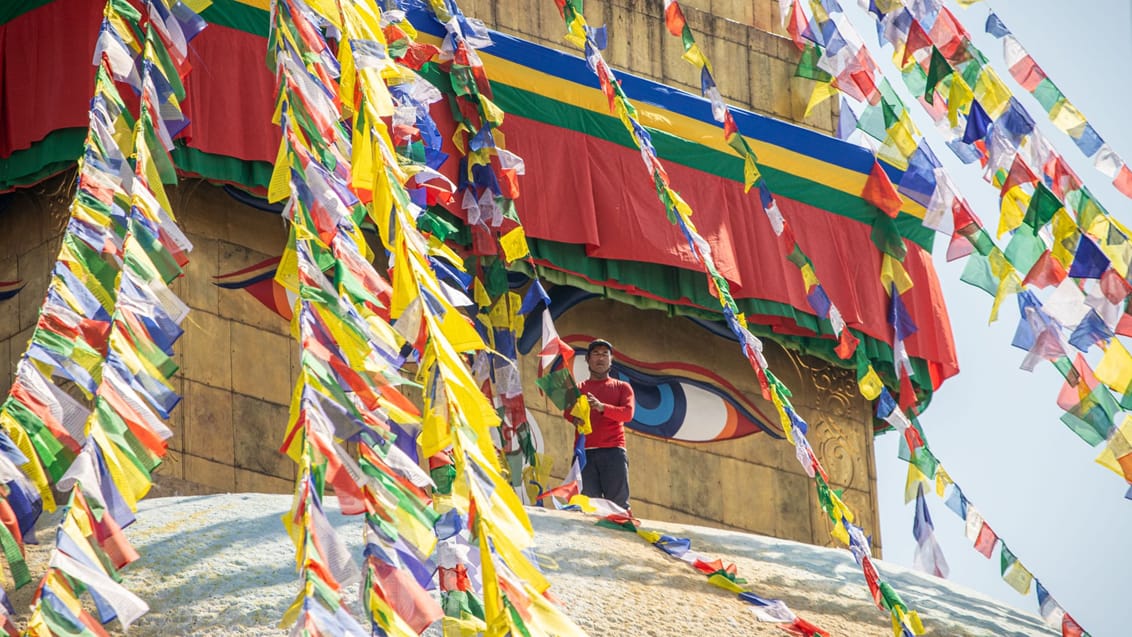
x=917, y=39
x=958, y=247
x=1027, y=73
x=986, y=540
x=1020, y=173
x=562, y=491
x=405, y=596
x=1114, y=287
x=907, y=392
x=804, y=628
x=948, y=34
x=797, y=25
x=1124, y=325
x=847, y=344
x=1080, y=382
x=880, y=192
x=1046, y=271
x=1070, y=628
x=674, y=19
x=1123, y=181
x=872, y=578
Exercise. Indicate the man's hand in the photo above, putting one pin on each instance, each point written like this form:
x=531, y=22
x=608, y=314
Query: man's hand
x=595, y=403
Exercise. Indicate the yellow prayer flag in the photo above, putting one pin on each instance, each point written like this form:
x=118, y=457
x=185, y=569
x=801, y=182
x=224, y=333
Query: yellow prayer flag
x=479, y=293
x=404, y=286
x=783, y=417
x=890, y=153
x=694, y=55
x=652, y=537
x=514, y=244
x=1118, y=446
x=364, y=171
x=1014, y=205
x=809, y=278
x=1064, y=238
x=493, y=113
x=903, y=134
x=131, y=482
x=958, y=100
x=581, y=411
x=992, y=93
x=1115, y=368
x=1010, y=284
x=840, y=533
x=893, y=272
x=822, y=91
x=495, y=615
x=551, y=619
x=942, y=480
x=1019, y=578
x=435, y=434
x=576, y=33
x=1066, y=117
x=914, y=480
x=725, y=583
x=33, y=469
x=870, y=384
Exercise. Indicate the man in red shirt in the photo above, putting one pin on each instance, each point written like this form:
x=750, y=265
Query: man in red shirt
x=606, y=471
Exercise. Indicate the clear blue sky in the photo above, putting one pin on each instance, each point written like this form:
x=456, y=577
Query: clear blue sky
x=995, y=427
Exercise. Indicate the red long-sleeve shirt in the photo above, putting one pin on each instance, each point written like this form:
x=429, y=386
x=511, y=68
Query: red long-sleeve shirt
x=609, y=425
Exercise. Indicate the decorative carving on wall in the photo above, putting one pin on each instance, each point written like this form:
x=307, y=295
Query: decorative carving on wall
x=835, y=419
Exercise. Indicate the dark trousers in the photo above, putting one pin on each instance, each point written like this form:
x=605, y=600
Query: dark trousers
x=606, y=475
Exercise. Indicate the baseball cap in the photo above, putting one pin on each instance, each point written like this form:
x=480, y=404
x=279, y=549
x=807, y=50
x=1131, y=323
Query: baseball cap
x=600, y=342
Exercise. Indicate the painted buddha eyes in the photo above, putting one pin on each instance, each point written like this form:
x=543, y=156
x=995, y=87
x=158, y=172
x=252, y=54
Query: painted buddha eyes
x=683, y=403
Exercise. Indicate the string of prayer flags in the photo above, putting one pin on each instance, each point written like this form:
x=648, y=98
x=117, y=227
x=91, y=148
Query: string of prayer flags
x=108, y=323
x=79, y=565
x=347, y=349
x=424, y=301
x=843, y=58
x=816, y=294
x=1065, y=117
x=498, y=239
x=923, y=467
x=719, y=573
x=1087, y=247
x=679, y=213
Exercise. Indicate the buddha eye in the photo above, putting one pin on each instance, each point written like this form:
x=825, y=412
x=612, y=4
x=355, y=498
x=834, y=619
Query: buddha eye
x=684, y=402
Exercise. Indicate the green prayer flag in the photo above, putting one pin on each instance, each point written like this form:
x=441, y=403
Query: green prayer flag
x=1043, y=205
x=21, y=576
x=971, y=71
x=808, y=65
x=559, y=387
x=686, y=38
x=886, y=236
x=938, y=69
x=872, y=122
x=915, y=79
x=1092, y=418
x=977, y=272
x=1047, y=94
x=1087, y=207
x=495, y=279
x=926, y=462
x=1025, y=248
x=1006, y=559
x=516, y=617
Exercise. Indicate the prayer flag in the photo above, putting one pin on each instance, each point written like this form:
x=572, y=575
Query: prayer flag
x=880, y=192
